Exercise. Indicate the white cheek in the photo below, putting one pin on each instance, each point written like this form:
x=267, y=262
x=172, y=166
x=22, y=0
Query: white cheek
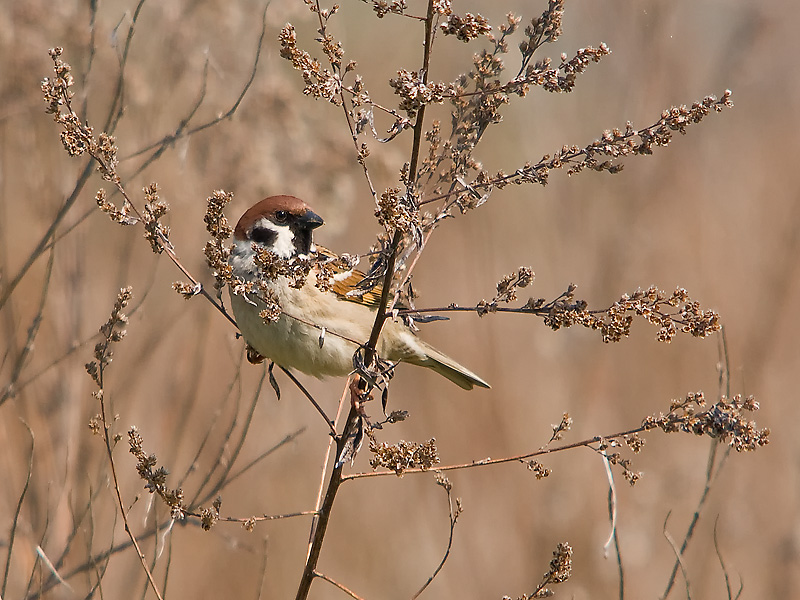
x=284, y=245
x=284, y=241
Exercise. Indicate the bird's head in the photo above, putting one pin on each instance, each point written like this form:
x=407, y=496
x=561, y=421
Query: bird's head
x=282, y=224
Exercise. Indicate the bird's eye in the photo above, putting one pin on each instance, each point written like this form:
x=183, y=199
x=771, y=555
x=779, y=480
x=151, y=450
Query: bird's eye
x=281, y=216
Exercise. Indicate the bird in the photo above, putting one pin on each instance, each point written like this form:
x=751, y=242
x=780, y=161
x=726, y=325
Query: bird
x=320, y=327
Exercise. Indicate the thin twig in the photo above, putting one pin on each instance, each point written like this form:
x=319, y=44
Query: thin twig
x=612, y=515
x=43, y=244
x=311, y=399
x=496, y=461
x=678, y=559
x=721, y=561
x=288, y=438
x=15, y=521
x=333, y=582
x=454, y=514
x=182, y=131
x=326, y=461
x=118, y=101
x=254, y=519
x=325, y=512
x=263, y=568
x=51, y=567
x=712, y=472
x=222, y=480
x=33, y=330
x=118, y=493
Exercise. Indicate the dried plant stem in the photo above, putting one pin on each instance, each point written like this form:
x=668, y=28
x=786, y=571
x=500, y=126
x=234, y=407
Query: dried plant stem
x=183, y=129
x=409, y=271
x=496, y=461
x=118, y=102
x=87, y=169
x=335, y=583
x=242, y=520
x=44, y=243
x=453, y=514
x=310, y=398
x=118, y=493
x=419, y=127
x=33, y=330
x=712, y=472
x=309, y=573
x=724, y=568
x=678, y=559
x=15, y=521
x=326, y=461
x=352, y=422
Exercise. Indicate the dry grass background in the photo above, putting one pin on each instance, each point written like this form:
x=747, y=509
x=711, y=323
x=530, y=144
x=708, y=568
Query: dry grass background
x=717, y=212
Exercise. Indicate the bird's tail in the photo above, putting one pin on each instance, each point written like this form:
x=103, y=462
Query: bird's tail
x=447, y=367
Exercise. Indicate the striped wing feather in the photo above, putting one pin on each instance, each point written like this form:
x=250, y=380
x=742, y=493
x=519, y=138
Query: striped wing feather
x=370, y=298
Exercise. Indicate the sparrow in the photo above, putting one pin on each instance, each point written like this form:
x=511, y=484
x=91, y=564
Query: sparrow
x=320, y=325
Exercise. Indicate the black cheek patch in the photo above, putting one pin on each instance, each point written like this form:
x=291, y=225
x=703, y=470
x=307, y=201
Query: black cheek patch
x=264, y=236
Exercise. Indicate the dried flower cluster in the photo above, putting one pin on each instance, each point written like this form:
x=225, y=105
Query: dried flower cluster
x=615, y=458
x=154, y=208
x=403, y=455
x=561, y=564
x=635, y=442
x=559, y=79
x=506, y=290
x=209, y=516
x=544, y=29
x=112, y=332
x=724, y=420
x=466, y=28
x=398, y=211
x=382, y=8
x=217, y=250
x=77, y=137
x=670, y=313
x=539, y=470
x=478, y=96
x=564, y=425
x=155, y=477
x=320, y=83
x=123, y=216
x=415, y=93
x=455, y=508
x=613, y=144
x=560, y=571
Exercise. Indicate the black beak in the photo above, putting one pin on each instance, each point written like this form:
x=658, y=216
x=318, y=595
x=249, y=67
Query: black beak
x=310, y=220
x=302, y=228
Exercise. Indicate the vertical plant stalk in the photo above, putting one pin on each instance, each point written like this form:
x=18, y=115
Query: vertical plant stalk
x=96, y=370
x=15, y=521
x=310, y=570
x=120, y=502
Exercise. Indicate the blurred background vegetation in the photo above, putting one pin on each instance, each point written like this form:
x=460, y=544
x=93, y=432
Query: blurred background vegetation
x=718, y=212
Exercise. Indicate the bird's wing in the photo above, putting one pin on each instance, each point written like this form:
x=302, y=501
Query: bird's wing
x=346, y=281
